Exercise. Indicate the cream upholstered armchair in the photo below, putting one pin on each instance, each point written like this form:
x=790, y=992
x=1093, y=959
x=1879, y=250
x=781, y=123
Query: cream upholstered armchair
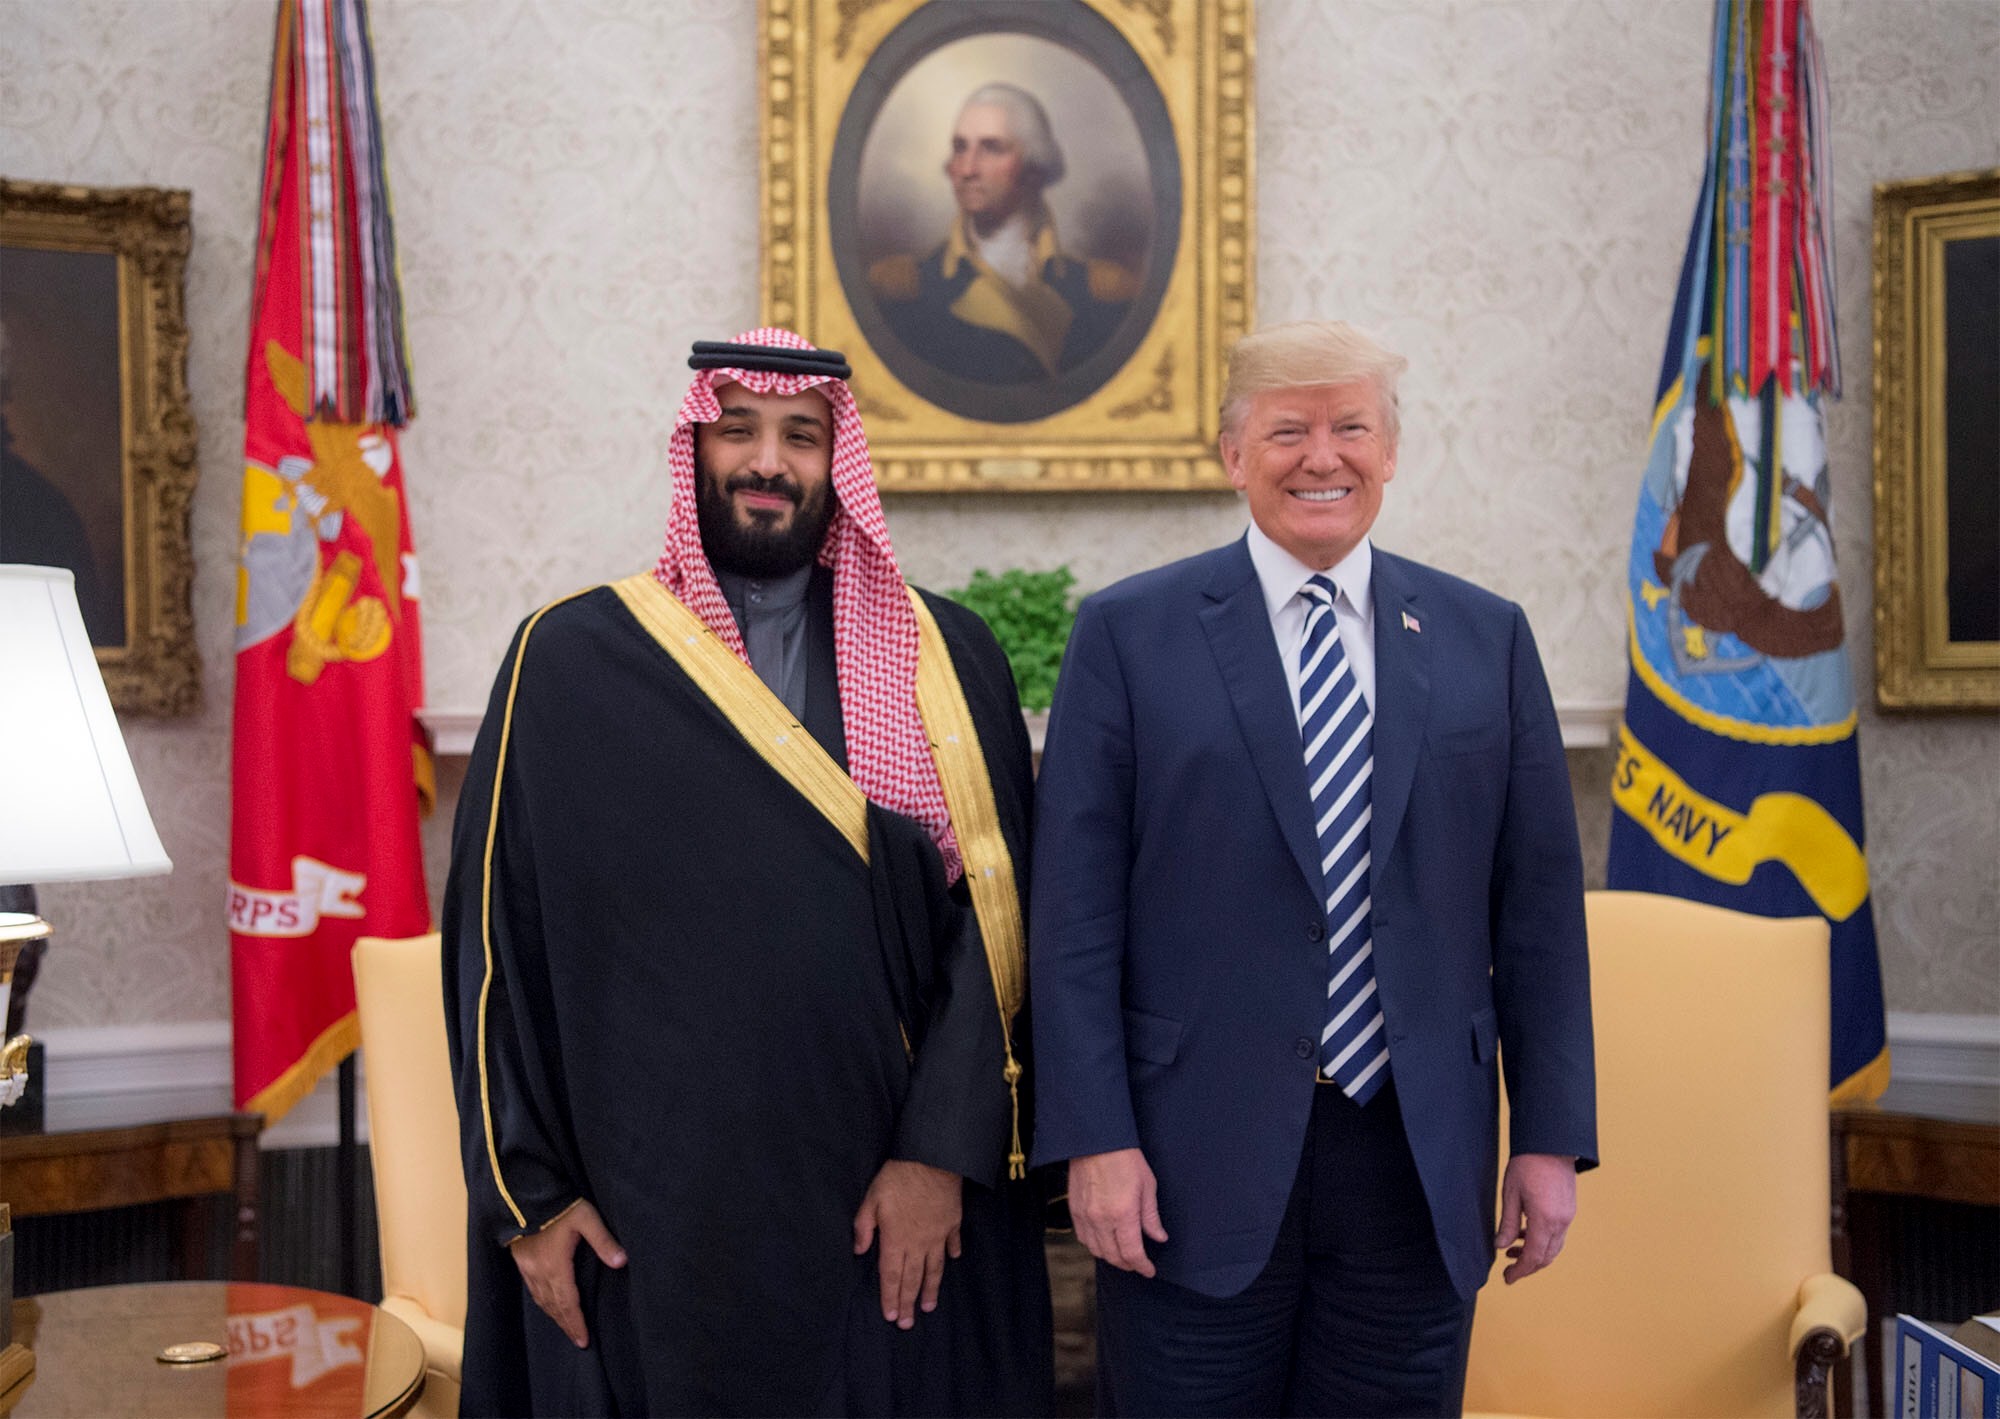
x=1697, y=1277
x=413, y=1146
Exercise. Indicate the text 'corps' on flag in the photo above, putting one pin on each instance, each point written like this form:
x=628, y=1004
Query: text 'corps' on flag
x=329, y=760
x=1738, y=781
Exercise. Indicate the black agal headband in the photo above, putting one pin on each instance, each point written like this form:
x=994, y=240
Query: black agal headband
x=722, y=355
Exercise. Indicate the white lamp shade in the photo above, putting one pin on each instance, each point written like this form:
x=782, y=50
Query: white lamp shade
x=70, y=806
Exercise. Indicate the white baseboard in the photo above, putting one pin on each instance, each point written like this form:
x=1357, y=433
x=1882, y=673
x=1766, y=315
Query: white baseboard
x=170, y=1070
x=1945, y=1049
x=1948, y=1065
x=117, y=1072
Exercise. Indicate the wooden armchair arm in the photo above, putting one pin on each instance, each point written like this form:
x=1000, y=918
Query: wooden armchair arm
x=1831, y=1317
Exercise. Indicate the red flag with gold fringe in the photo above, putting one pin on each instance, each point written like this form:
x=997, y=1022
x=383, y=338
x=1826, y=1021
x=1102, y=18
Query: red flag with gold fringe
x=330, y=765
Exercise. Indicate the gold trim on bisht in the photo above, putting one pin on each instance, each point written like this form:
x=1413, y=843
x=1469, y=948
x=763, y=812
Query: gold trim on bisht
x=989, y=867
x=486, y=903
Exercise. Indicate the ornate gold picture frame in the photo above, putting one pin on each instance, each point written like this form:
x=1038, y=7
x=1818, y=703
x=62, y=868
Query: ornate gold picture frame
x=1937, y=442
x=1054, y=321
x=97, y=444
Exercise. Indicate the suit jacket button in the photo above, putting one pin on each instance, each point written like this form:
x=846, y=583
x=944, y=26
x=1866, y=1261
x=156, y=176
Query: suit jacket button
x=1316, y=931
x=1302, y=1047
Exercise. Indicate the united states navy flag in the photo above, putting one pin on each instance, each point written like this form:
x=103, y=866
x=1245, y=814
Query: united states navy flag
x=1738, y=780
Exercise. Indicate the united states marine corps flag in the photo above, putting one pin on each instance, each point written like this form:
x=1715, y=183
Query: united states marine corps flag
x=329, y=761
x=1738, y=781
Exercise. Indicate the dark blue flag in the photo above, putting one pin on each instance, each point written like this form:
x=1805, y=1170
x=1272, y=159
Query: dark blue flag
x=1738, y=779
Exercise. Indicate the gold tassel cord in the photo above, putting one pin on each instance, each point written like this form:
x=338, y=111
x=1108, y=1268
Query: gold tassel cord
x=989, y=867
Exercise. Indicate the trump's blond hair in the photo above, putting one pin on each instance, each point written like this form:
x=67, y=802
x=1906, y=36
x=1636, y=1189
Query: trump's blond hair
x=1300, y=353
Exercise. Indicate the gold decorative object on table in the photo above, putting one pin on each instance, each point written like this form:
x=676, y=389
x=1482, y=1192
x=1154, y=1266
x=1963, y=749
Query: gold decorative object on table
x=191, y=1352
x=1029, y=227
x=1937, y=442
x=99, y=422
x=17, y=930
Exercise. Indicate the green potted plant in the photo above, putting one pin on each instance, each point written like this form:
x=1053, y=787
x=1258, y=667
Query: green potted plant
x=1031, y=614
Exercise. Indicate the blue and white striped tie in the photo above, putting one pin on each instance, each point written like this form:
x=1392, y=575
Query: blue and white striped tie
x=1337, y=726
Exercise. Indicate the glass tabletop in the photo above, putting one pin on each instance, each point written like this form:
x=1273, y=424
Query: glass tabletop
x=287, y=1351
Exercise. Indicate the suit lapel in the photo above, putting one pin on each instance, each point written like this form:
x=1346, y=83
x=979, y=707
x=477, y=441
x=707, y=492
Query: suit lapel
x=1239, y=634
x=1402, y=702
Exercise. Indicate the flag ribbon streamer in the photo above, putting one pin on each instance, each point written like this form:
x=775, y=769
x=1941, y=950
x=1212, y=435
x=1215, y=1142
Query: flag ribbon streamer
x=323, y=81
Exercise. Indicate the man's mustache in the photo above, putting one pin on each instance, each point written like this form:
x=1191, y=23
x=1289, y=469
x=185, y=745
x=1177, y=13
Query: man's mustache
x=777, y=486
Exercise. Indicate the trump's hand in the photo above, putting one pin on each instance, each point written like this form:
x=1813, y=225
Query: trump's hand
x=916, y=1209
x=1537, y=1204
x=1115, y=1204
x=547, y=1262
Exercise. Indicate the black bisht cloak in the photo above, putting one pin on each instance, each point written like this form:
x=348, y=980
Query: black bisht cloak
x=674, y=989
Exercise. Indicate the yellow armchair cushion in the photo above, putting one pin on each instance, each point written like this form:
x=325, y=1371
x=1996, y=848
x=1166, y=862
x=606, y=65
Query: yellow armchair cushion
x=413, y=1142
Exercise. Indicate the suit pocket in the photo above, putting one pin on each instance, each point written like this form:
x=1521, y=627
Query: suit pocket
x=1154, y=1038
x=1475, y=739
x=1485, y=1035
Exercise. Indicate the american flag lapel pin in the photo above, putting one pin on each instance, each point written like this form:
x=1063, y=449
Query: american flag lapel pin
x=1410, y=623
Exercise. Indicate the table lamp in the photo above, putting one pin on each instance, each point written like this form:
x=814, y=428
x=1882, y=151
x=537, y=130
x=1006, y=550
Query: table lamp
x=70, y=806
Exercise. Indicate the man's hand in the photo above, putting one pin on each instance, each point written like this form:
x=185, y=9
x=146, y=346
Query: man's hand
x=1537, y=1204
x=1115, y=1203
x=916, y=1209
x=547, y=1261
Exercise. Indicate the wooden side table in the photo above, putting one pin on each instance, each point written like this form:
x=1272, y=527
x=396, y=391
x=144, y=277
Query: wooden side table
x=64, y=1166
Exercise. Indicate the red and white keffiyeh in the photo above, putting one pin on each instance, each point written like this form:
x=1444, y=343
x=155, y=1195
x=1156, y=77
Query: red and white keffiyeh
x=874, y=629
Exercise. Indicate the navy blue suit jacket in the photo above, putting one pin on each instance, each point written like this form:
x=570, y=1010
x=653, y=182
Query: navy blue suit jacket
x=1178, y=923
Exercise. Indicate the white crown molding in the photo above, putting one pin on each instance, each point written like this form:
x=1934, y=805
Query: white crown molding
x=184, y=1069
x=1586, y=724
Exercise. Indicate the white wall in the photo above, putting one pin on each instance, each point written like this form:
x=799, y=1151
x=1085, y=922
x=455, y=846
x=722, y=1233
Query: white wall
x=1499, y=187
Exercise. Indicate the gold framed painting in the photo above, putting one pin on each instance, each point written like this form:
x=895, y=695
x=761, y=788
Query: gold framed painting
x=1028, y=223
x=97, y=444
x=1937, y=442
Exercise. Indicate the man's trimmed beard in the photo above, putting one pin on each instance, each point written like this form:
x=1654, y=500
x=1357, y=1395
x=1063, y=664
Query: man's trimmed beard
x=759, y=548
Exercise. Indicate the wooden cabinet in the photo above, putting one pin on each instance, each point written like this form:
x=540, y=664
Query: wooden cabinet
x=80, y=1165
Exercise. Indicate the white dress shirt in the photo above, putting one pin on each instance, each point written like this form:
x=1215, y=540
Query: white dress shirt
x=1282, y=575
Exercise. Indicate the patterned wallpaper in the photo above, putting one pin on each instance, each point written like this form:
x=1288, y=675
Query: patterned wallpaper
x=1499, y=187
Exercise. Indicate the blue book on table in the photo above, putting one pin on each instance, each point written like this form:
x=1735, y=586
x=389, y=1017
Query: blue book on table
x=1938, y=1378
